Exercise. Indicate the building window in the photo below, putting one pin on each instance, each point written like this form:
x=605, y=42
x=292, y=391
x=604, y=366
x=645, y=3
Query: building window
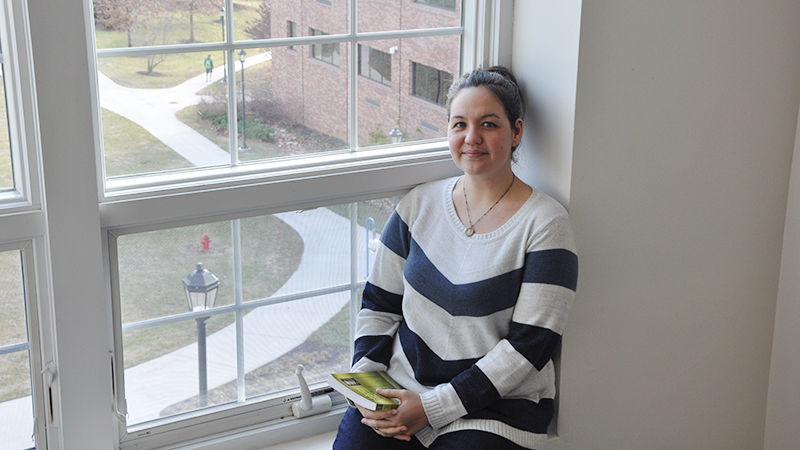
x=291, y=31
x=325, y=52
x=444, y=4
x=282, y=297
x=375, y=64
x=431, y=83
x=166, y=205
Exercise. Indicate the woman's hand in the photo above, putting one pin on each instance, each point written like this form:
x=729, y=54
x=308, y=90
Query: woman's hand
x=399, y=423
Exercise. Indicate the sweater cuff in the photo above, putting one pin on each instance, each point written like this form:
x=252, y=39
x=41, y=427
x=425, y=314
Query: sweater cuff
x=442, y=405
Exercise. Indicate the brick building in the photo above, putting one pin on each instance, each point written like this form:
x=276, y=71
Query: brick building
x=401, y=82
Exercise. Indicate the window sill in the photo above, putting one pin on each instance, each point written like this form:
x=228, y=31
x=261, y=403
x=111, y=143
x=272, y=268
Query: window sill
x=308, y=434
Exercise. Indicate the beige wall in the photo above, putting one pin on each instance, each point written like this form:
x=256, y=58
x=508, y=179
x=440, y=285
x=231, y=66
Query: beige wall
x=684, y=124
x=783, y=405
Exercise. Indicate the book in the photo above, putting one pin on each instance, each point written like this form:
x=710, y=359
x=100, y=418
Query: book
x=359, y=388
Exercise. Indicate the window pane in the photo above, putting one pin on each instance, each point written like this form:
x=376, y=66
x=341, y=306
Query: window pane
x=296, y=103
x=6, y=169
x=16, y=406
x=283, y=254
x=414, y=103
x=138, y=23
x=385, y=15
x=156, y=111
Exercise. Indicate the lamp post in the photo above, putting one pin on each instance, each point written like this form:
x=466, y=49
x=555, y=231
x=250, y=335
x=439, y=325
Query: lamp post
x=222, y=23
x=242, y=54
x=201, y=293
x=395, y=136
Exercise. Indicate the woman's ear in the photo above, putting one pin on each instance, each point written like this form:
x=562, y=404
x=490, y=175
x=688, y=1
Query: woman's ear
x=517, y=132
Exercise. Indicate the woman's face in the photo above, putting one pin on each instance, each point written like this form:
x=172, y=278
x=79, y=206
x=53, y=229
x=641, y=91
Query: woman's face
x=480, y=133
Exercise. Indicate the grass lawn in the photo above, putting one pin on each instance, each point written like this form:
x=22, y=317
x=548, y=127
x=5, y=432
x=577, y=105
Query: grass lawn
x=287, y=139
x=130, y=149
x=271, y=252
x=14, y=371
x=174, y=68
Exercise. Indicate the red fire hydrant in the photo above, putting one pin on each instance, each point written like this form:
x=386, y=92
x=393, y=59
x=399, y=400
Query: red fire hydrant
x=206, y=242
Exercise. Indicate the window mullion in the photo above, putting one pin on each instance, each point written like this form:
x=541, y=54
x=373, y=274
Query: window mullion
x=239, y=314
x=351, y=64
x=230, y=76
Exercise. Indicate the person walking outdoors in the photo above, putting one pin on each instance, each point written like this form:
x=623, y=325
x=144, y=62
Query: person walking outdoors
x=209, y=64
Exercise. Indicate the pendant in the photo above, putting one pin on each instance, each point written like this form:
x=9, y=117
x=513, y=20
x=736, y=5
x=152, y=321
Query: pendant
x=469, y=232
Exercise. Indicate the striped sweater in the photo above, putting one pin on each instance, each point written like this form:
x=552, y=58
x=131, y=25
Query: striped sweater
x=470, y=323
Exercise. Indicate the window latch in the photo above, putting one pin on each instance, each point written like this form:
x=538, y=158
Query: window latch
x=308, y=405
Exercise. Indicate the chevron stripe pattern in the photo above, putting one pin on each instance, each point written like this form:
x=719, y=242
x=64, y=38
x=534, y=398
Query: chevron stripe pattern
x=471, y=323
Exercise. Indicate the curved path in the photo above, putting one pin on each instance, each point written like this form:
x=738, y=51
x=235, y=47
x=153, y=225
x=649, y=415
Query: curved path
x=154, y=110
x=269, y=331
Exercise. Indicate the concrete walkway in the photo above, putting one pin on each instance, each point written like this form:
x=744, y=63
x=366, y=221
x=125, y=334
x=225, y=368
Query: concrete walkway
x=269, y=331
x=154, y=110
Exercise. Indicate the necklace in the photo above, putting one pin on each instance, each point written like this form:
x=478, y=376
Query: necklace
x=471, y=228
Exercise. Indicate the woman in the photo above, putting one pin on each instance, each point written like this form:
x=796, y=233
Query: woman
x=469, y=293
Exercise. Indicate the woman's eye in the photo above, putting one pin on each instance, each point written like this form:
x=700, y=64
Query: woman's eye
x=489, y=124
x=458, y=125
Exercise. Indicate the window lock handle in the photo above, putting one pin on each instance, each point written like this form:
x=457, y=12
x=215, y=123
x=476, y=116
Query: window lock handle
x=308, y=405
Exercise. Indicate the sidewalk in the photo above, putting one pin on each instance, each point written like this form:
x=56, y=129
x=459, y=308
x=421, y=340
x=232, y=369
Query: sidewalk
x=154, y=110
x=269, y=331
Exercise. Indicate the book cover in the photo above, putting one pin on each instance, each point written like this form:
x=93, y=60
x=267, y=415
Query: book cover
x=359, y=387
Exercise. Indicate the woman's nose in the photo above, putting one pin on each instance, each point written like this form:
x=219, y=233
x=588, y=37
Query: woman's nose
x=473, y=136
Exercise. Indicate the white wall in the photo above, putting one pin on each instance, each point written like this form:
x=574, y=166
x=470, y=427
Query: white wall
x=545, y=60
x=684, y=126
x=783, y=405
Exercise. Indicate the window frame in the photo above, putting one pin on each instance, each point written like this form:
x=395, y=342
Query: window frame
x=33, y=344
x=215, y=193
x=19, y=94
x=22, y=219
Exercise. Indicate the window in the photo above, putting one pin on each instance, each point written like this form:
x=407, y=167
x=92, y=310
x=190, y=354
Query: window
x=15, y=356
x=313, y=144
x=291, y=31
x=23, y=404
x=431, y=84
x=288, y=171
x=325, y=52
x=445, y=4
x=283, y=298
x=375, y=64
x=6, y=168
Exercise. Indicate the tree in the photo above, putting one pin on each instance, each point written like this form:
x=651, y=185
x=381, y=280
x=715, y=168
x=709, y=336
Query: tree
x=125, y=15
x=259, y=27
x=156, y=33
x=195, y=6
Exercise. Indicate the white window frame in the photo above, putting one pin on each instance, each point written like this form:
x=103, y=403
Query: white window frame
x=22, y=219
x=106, y=209
x=16, y=58
x=41, y=403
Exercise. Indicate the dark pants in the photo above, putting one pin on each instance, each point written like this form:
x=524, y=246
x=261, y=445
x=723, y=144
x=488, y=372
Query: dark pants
x=354, y=435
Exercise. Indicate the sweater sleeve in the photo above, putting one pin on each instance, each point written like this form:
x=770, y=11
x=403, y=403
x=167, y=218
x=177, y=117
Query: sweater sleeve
x=547, y=291
x=381, y=303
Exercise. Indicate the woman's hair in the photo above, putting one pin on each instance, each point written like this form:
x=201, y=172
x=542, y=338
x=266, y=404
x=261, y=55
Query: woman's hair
x=501, y=82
